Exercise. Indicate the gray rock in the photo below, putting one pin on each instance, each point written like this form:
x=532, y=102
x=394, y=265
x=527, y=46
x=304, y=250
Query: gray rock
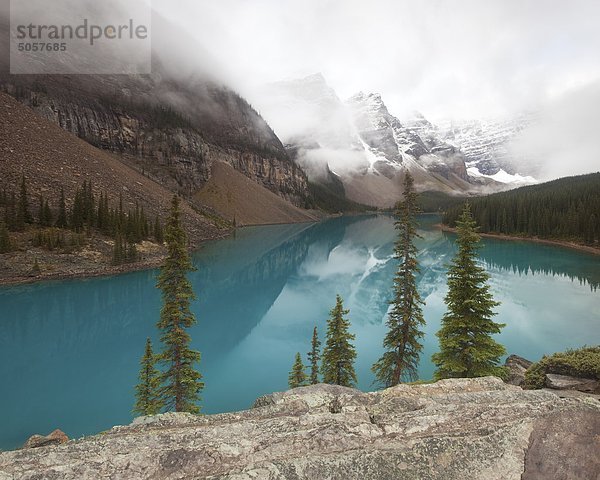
x=517, y=366
x=558, y=450
x=55, y=438
x=453, y=429
x=566, y=382
x=572, y=394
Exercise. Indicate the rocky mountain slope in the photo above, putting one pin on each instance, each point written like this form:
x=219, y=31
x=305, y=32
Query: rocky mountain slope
x=475, y=428
x=172, y=124
x=237, y=198
x=171, y=131
x=51, y=158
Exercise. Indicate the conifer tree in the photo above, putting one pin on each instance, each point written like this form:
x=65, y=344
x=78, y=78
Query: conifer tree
x=61, y=221
x=158, y=231
x=132, y=253
x=10, y=212
x=314, y=356
x=5, y=243
x=47, y=214
x=182, y=382
x=119, y=251
x=23, y=215
x=41, y=211
x=78, y=212
x=339, y=354
x=297, y=377
x=402, y=342
x=35, y=269
x=147, y=392
x=467, y=348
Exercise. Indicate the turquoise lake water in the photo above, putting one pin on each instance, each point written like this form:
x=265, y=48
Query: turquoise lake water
x=70, y=350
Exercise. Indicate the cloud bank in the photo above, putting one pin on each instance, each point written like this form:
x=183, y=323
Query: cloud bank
x=451, y=58
x=565, y=139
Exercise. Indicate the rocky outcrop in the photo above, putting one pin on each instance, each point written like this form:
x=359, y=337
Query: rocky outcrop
x=517, y=366
x=562, y=384
x=557, y=449
x=475, y=428
x=566, y=382
x=171, y=131
x=54, y=438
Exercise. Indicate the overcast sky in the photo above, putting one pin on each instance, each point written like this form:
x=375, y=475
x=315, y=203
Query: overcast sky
x=446, y=58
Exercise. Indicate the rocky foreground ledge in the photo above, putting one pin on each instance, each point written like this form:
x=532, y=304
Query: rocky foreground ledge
x=453, y=429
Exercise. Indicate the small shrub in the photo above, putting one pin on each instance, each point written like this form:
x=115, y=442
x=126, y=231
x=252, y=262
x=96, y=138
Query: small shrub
x=582, y=362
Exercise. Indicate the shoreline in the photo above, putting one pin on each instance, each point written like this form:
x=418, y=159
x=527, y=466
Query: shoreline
x=101, y=271
x=543, y=241
x=106, y=271
x=109, y=270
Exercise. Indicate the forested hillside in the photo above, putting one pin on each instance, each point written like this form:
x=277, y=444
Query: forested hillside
x=565, y=209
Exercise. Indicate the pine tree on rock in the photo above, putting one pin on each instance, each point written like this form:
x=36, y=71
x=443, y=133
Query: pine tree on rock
x=467, y=348
x=339, y=353
x=403, y=341
x=297, y=377
x=182, y=382
x=147, y=392
x=314, y=356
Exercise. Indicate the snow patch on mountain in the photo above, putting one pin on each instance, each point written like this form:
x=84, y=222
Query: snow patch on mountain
x=487, y=144
x=503, y=177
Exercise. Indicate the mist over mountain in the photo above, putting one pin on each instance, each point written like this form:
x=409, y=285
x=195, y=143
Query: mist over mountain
x=369, y=149
x=173, y=125
x=474, y=62
x=437, y=104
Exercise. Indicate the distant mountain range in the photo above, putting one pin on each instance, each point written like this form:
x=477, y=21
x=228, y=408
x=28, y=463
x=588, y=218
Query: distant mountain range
x=179, y=128
x=369, y=149
x=487, y=146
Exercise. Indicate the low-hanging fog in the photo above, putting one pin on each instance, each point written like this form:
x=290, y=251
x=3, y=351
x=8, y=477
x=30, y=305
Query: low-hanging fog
x=448, y=59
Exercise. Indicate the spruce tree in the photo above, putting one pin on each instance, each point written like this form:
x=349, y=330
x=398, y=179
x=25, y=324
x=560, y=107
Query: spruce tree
x=314, y=356
x=467, y=348
x=297, y=377
x=402, y=342
x=61, y=221
x=10, y=212
x=119, y=251
x=158, y=231
x=23, y=215
x=147, y=392
x=78, y=212
x=35, y=269
x=339, y=354
x=47, y=214
x=5, y=243
x=132, y=253
x=182, y=382
x=41, y=211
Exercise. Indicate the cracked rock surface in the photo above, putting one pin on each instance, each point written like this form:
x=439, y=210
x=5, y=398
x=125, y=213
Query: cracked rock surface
x=453, y=429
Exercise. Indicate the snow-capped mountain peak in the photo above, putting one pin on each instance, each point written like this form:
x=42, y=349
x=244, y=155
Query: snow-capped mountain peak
x=365, y=144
